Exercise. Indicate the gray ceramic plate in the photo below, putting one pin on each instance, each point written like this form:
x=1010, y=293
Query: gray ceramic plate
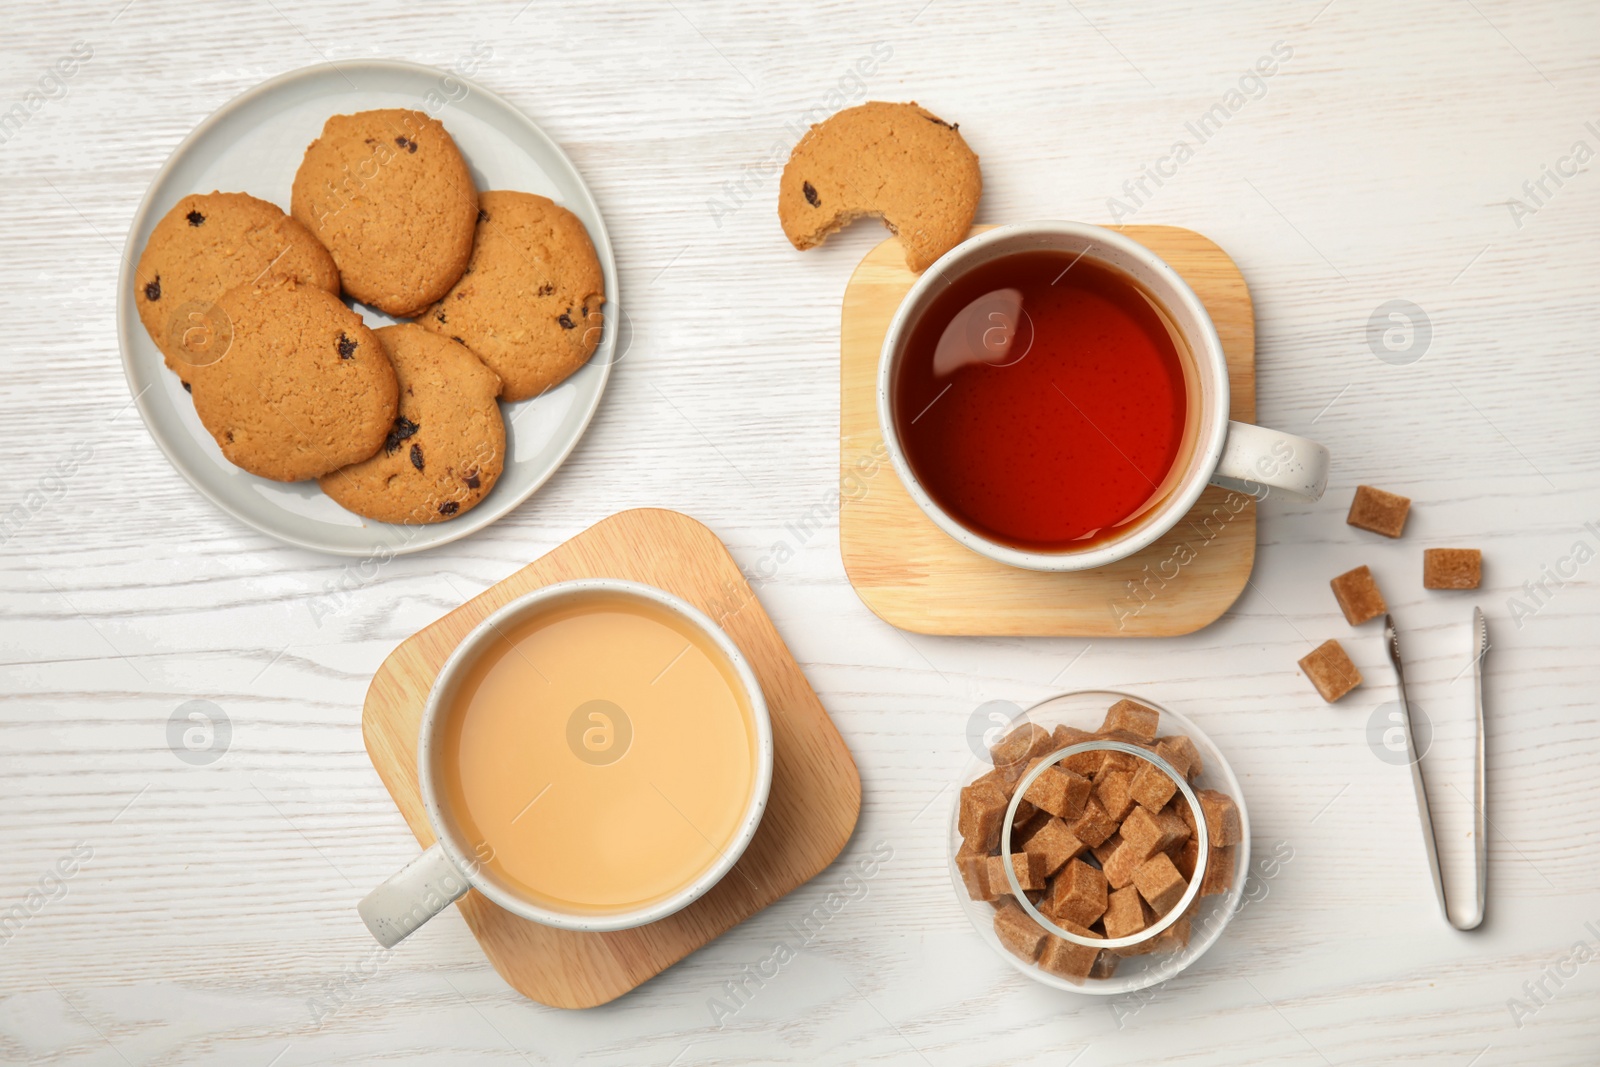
x=253, y=144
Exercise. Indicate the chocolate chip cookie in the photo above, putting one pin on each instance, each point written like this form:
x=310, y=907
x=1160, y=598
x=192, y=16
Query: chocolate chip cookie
x=389, y=194
x=301, y=386
x=207, y=244
x=899, y=162
x=529, y=302
x=447, y=445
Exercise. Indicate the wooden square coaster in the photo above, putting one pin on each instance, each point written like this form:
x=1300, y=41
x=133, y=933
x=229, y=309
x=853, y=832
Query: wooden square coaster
x=915, y=576
x=811, y=810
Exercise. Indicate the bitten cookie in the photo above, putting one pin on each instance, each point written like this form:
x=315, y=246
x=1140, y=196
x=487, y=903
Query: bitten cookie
x=389, y=194
x=207, y=244
x=529, y=302
x=447, y=446
x=896, y=161
x=302, y=388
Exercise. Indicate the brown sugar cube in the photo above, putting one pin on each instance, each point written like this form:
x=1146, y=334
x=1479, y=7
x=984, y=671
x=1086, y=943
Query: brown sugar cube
x=1104, y=849
x=1078, y=893
x=1151, y=787
x=1105, y=965
x=1018, y=932
x=1174, y=825
x=1061, y=793
x=1219, y=872
x=1143, y=947
x=974, y=868
x=1222, y=818
x=1173, y=937
x=1119, y=866
x=1029, y=868
x=1010, y=754
x=1118, y=761
x=1084, y=763
x=1054, y=843
x=1124, y=913
x=1358, y=596
x=1378, y=511
x=1159, y=882
x=1186, y=813
x=1068, y=959
x=1182, y=754
x=1130, y=718
x=1149, y=834
x=1185, y=856
x=1330, y=670
x=1113, y=790
x=1095, y=824
x=983, y=812
x=1451, y=568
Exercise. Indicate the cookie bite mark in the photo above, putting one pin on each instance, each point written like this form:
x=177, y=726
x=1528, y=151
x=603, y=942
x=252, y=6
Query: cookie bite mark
x=897, y=162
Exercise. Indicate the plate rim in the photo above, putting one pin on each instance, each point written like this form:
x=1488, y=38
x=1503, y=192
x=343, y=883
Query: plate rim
x=604, y=251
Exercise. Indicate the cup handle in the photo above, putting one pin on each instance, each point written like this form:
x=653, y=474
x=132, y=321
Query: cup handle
x=412, y=895
x=1255, y=459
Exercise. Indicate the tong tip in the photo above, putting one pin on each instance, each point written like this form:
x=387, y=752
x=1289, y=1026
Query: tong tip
x=1481, y=626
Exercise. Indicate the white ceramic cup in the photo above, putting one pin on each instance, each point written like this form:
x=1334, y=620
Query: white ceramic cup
x=449, y=867
x=1236, y=455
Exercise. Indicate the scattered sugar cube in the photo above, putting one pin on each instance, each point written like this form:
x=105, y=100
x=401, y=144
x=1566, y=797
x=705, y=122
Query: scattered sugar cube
x=1451, y=568
x=1358, y=596
x=1378, y=511
x=1330, y=670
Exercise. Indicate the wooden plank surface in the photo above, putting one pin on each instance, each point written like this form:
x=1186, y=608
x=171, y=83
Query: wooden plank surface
x=816, y=790
x=214, y=923
x=917, y=577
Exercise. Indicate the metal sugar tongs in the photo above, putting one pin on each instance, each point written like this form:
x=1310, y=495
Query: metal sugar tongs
x=1481, y=818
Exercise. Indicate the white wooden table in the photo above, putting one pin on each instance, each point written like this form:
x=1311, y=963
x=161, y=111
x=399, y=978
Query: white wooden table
x=210, y=914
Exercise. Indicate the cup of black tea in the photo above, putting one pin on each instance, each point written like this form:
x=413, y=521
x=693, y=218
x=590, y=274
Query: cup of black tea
x=1054, y=396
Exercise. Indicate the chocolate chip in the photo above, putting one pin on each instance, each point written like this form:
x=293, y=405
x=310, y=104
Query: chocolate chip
x=483, y=216
x=188, y=388
x=407, y=144
x=811, y=194
x=457, y=340
x=229, y=435
x=449, y=507
x=439, y=318
x=195, y=218
x=416, y=456
x=347, y=347
x=565, y=319
x=546, y=289
x=942, y=122
x=471, y=478
x=403, y=428
x=152, y=291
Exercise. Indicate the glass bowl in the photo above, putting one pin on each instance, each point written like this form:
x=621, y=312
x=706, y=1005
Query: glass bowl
x=1086, y=711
